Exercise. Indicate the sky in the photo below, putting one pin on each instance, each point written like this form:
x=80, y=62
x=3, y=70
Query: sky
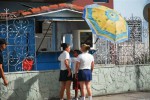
x=127, y=8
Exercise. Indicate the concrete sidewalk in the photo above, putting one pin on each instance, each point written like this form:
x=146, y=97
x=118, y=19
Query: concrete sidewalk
x=126, y=96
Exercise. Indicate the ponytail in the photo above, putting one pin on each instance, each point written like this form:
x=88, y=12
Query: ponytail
x=64, y=45
x=85, y=47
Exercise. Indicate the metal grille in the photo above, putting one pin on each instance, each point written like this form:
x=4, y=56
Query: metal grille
x=133, y=51
x=19, y=34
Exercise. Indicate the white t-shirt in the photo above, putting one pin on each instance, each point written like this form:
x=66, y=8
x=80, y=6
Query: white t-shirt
x=63, y=56
x=85, y=60
x=73, y=60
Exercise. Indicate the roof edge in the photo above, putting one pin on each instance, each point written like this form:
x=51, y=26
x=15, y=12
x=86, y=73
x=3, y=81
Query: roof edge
x=44, y=10
x=50, y=12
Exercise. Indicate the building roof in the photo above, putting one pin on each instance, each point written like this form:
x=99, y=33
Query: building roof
x=41, y=9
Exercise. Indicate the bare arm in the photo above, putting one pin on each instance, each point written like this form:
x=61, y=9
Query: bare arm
x=67, y=64
x=68, y=67
x=59, y=58
x=77, y=68
x=3, y=76
x=92, y=66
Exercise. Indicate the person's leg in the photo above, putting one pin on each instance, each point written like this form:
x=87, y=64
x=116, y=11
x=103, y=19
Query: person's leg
x=89, y=91
x=82, y=86
x=80, y=92
x=76, y=87
x=76, y=93
x=68, y=84
x=62, y=89
x=79, y=89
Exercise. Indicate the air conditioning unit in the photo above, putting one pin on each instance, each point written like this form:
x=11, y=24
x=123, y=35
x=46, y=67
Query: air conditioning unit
x=83, y=37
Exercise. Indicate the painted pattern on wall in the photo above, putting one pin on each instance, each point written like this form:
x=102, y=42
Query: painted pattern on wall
x=19, y=34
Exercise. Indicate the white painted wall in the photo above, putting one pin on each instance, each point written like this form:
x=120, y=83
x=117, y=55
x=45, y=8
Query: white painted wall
x=106, y=80
x=128, y=7
x=67, y=28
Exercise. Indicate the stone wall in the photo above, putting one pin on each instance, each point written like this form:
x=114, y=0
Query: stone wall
x=110, y=80
x=106, y=80
x=31, y=86
x=144, y=78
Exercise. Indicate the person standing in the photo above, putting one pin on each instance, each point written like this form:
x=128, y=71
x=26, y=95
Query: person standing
x=3, y=45
x=76, y=85
x=65, y=71
x=84, y=68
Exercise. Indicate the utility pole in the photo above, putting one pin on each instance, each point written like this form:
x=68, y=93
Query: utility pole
x=149, y=28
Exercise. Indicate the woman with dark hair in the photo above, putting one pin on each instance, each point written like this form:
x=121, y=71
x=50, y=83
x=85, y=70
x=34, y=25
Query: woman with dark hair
x=65, y=71
x=84, y=68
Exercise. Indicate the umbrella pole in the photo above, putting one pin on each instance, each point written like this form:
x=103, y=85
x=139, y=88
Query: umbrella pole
x=96, y=40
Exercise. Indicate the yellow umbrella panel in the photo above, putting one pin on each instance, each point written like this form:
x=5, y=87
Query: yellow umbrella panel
x=106, y=23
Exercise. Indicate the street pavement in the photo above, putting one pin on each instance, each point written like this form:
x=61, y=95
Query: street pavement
x=126, y=96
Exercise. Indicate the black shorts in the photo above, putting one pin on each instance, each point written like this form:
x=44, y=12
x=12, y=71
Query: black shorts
x=64, y=76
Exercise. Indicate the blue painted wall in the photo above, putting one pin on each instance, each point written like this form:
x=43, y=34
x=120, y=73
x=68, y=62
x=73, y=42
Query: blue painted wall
x=21, y=43
x=48, y=60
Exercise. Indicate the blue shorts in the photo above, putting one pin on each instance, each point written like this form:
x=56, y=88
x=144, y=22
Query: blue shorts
x=85, y=75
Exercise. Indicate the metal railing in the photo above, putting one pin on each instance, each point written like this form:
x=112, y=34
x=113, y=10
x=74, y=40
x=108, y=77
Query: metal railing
x=19, y=34
x=133, y=51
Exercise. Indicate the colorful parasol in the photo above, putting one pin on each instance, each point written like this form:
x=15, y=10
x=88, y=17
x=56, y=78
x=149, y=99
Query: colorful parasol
x=106, y=23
